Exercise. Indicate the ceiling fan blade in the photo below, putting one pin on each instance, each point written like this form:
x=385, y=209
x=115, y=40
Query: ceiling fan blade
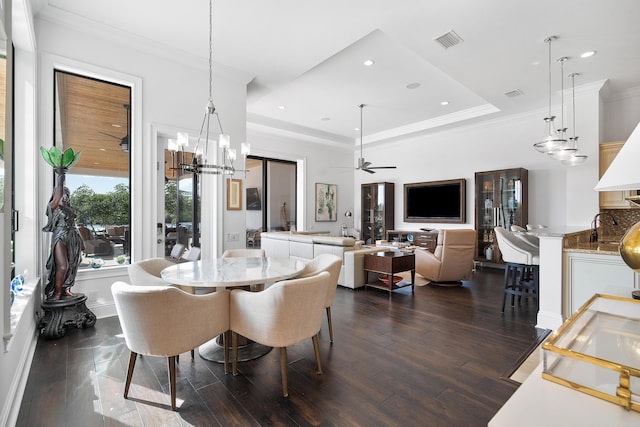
x=382, y=167
x=112, y=136
x=368, y=170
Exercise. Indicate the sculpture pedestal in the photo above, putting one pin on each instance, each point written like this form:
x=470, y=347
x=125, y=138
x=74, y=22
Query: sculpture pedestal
x=68, y=311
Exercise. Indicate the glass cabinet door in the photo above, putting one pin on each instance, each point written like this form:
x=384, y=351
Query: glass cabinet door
x=377, y=211
x=510, y=194
x=501, y=201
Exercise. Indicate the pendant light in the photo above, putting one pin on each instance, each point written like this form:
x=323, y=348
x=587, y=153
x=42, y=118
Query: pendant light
x=552, y=140
x=576, y=158
x=569, y=147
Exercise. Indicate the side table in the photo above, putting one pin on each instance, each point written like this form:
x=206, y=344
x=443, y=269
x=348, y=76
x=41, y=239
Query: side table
x=389, y=263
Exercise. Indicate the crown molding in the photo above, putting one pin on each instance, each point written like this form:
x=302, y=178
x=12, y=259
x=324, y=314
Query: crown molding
x=448, y=119
x=268, y=126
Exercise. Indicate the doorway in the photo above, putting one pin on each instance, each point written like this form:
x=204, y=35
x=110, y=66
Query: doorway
x=271, y=197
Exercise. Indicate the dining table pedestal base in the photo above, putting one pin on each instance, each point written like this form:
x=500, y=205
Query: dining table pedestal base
x=213, y=350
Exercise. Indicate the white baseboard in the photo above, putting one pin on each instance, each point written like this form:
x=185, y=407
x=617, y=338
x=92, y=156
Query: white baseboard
x=549, y=320
x=11, y=407
x=103, y=309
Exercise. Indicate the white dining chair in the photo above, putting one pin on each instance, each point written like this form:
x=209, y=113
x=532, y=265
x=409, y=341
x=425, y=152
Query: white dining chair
x=193, y=254
x=165, y=321
x=332, y=264
x=246, y=253
x=284, y=314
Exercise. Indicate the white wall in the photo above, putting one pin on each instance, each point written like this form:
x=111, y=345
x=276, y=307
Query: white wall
x=558, y=195
x=171, y=94
x=316, y=163
x=621, y=115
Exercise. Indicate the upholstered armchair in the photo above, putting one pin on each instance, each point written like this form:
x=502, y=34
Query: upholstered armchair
x=165, y=321
x=452, y=260
x=332, y=264
x=285, y=313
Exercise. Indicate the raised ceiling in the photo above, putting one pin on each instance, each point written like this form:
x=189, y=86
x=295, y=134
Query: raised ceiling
x=308, y=56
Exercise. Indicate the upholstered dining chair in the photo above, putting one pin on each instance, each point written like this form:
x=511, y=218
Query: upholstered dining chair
x=285, y=313
x=229, y=253
x=332, y=264
x=165, y=321
x=451, y=261
x=146, y=272
x=236, y=253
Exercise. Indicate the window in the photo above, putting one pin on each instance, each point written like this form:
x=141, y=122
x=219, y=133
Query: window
x=94, y=117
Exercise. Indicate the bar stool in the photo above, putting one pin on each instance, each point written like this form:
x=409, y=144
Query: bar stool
x=521, y=275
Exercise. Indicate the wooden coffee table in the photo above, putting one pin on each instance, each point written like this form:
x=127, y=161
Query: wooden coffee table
x=389, y=263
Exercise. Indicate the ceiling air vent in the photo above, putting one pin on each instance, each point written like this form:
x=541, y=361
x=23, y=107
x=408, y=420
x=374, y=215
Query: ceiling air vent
x=449, y=39
x=514, y=93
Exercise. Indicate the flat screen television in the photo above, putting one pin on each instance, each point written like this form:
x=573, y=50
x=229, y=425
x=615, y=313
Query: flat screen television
x=436, y=201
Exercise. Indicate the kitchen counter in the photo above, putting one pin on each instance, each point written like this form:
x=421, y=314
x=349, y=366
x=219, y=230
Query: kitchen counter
x=604, y=248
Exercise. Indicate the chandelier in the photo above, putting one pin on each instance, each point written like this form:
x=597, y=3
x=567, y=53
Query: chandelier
x=200, y=163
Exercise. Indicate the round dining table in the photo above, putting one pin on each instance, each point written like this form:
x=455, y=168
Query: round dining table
x=232, y=272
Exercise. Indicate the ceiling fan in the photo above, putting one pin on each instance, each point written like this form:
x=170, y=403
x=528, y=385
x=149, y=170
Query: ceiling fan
x=124, y=141
x=362, y=164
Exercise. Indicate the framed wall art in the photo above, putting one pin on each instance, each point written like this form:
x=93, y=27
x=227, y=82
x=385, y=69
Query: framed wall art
x=326, y=201
x=234, y=194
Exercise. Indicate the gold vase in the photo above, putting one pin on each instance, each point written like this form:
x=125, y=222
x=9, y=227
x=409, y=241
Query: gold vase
x=630, y=247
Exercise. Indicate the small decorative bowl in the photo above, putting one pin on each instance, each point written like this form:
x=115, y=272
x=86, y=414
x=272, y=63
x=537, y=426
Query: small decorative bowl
x=121, y=259
x=96, y=263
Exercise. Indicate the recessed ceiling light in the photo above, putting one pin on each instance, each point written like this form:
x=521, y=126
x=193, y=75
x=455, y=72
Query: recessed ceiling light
x=369, y=62
x=356, y=129
x=281, y=107
x=413, y=85
x=588, y=54
x=444, y=103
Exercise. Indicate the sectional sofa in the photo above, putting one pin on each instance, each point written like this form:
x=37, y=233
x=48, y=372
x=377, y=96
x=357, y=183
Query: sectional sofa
x=304, y=246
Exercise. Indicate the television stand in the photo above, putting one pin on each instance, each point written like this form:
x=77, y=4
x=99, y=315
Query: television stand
x=422, y=239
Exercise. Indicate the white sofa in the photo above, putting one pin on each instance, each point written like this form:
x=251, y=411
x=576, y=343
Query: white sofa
x=304, y=247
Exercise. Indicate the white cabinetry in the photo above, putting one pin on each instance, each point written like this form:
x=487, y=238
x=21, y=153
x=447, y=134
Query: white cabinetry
x=612, y=199
x=589, y=273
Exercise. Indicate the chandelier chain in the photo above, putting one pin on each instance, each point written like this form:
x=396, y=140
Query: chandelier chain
x=210, y=49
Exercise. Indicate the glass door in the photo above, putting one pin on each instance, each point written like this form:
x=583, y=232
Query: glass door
x=270, y=197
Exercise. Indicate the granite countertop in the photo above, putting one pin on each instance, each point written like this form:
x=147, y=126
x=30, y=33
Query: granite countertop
x=604, y=248
x=576, y=239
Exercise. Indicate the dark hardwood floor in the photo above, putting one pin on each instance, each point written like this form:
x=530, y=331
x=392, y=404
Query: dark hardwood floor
x=434, y=358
